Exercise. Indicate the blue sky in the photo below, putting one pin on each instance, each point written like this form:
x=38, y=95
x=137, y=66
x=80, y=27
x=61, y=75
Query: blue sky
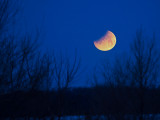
x=67, y=25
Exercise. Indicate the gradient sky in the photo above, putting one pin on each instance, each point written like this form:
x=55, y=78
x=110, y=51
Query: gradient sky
x=67, y=25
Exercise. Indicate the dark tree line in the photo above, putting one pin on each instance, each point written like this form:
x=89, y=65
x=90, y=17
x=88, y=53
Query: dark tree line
x=99, y=101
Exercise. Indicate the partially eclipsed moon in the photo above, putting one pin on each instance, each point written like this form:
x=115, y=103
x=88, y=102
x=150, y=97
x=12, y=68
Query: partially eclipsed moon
x=107, y=42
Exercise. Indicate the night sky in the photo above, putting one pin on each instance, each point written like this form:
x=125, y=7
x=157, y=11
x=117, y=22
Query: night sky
x=67, y=25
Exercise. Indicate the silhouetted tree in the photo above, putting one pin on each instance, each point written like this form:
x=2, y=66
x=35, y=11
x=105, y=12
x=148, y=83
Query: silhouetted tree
x=38, y=71
x=143, y=66
x=8, y=14
x=64, y=72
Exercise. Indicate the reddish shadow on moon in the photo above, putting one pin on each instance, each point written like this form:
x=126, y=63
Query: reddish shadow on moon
x=107, y=42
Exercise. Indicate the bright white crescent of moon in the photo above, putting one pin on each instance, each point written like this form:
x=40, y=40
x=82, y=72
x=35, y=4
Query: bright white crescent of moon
x=107, y=42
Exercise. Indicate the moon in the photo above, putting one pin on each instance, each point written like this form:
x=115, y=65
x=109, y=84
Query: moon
x=107, y=42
